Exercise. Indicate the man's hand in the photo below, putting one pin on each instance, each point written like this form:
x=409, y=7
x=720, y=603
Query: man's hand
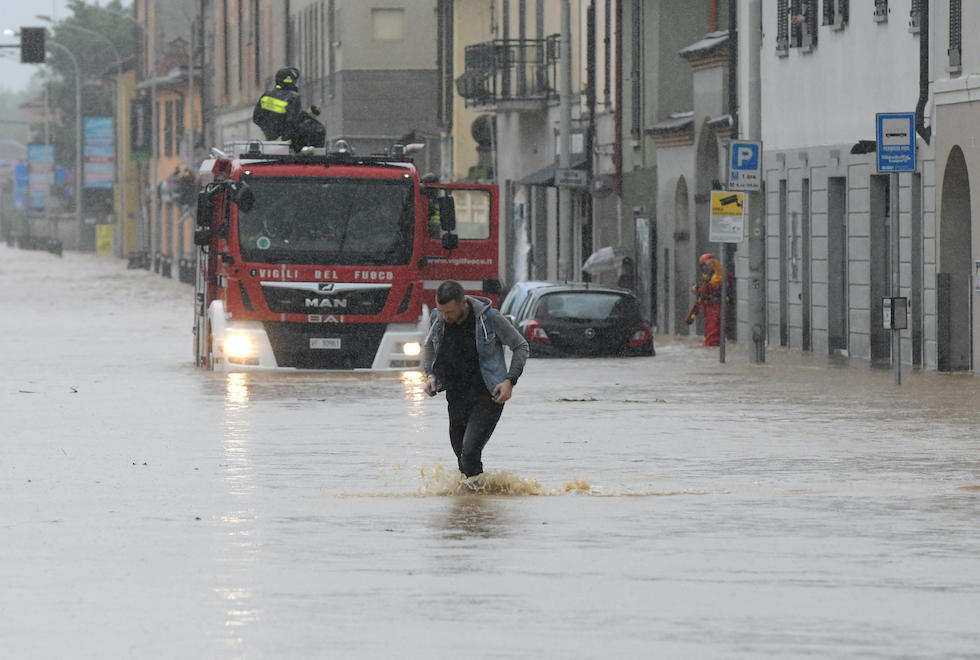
x=430, y=385
x=503, y=391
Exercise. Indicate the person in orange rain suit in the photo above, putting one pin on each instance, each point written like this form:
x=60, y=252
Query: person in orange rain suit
x=708, y=291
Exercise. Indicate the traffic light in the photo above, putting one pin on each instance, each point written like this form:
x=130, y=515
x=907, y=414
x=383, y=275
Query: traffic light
x=32, y=45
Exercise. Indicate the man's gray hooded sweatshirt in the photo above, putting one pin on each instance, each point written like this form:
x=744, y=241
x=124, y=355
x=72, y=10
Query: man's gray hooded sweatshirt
x=493, y=332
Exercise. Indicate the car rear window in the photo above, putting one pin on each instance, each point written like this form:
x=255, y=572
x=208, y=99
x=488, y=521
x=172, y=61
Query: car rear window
x=586, y=305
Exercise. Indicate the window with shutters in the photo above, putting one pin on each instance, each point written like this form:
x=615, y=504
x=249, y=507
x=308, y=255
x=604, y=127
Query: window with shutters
x=955, y=35
x=782, y=28
x=836, y=13
x=803, y=25
x=915, y=16
x=881, y=11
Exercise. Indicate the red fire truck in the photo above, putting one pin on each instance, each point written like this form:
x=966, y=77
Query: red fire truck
x=330, y=260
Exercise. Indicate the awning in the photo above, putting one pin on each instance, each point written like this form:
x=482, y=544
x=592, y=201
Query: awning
x=546, y=175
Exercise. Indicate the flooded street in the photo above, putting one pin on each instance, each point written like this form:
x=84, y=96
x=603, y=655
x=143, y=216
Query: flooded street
x=667, y=507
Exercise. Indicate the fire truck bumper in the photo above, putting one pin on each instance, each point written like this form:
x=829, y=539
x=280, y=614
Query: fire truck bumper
x=400, y=348
x=254, y=345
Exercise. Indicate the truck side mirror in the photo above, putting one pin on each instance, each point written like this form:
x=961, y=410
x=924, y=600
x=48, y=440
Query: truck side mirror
x=242, y=196
x=447, y=213
x=202, y=236
x=205, y=209
x=450, y=241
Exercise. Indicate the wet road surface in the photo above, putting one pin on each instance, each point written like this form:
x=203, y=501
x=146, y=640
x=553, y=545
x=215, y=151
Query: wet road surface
x=654, y=507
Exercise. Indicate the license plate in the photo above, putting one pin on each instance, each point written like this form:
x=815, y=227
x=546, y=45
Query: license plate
x=325, y=342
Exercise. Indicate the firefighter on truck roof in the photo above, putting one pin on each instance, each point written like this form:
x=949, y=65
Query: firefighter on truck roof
x=279, y=114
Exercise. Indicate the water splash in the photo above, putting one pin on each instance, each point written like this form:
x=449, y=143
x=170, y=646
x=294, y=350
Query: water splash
x=438, y=481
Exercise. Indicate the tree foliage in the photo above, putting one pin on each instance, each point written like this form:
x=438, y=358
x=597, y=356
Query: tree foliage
x=96, y=36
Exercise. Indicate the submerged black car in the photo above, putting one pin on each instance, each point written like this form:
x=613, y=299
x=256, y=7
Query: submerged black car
x=579, y=319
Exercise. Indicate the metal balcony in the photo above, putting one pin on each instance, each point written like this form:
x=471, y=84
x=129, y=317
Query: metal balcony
x=510, y=74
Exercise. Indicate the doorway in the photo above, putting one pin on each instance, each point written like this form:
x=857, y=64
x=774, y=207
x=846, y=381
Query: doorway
x=837, y=265
x=955, y=240
x=806, y=294
x=880, y=267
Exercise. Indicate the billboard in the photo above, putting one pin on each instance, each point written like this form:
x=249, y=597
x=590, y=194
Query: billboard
x=98, y=152
x=40, y=160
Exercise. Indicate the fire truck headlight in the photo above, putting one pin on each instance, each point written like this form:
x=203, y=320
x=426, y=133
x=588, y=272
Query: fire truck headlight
x=411, y=348
x=238, y=346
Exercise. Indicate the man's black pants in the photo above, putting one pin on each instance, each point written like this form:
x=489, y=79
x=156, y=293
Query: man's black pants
x=472, y=418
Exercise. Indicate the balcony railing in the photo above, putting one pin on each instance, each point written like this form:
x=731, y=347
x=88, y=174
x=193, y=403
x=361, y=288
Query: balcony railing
x=510, y=70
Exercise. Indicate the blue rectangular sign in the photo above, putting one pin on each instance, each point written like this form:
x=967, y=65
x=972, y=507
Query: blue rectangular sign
x=745, y=167
x=98, y=153
x=895, y=133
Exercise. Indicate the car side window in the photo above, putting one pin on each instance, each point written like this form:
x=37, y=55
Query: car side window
x=506, y=307
x=525, y=308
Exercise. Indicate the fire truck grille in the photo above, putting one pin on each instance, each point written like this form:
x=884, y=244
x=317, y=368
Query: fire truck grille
x=294, y=344
x=349, y=303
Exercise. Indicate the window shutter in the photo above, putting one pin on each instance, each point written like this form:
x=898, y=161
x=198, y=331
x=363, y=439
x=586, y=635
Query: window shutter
x=782, y=27
x=811, y=21
x=796, y=30
x=955, y=34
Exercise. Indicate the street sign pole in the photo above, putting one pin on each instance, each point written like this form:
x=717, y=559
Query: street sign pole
x=727, y=226
x=745, y=173
x=895, y=152
x=896, y=271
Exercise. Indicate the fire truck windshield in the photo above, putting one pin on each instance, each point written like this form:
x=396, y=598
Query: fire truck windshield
x=328, y=221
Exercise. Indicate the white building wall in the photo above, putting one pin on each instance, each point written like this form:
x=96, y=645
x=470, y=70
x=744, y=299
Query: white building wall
x=814, y=107
x=831, y=94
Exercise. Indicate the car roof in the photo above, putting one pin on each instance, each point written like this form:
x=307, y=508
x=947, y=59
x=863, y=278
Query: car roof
x=554, y=287
x=547, y=288
x=518, y=293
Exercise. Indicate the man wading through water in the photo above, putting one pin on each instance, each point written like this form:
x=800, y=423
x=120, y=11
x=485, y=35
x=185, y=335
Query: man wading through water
x=464, y=355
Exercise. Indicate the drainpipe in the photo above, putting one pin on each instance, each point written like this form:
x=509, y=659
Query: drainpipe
x=566, y=235
x=925, y=132
x=732, y=61
x=756, y=297
x=618, y=92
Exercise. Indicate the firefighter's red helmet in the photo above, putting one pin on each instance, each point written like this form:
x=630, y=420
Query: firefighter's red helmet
x=705, y=258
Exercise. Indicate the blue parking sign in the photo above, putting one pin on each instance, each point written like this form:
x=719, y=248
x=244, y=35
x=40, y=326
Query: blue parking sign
x=895, y=133
x=745, y=167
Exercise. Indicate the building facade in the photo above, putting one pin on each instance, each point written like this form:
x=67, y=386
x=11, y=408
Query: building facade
x=673, y=88
x=510, y=88
x=371, y=67
x=954, y=64
x=829, y=211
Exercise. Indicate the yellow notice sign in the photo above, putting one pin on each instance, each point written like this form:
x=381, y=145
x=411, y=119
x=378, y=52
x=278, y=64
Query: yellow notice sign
x=727, y=217
x=103, y=238
x=726, y=203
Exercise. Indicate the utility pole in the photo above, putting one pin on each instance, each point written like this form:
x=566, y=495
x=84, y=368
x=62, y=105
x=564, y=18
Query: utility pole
x=78, y=141
x=565, y=237
x=757, y=227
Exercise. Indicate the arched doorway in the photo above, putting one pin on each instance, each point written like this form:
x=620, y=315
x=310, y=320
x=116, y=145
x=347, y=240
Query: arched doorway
x=682, y=256
x=955, y=268
x=707, y=177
